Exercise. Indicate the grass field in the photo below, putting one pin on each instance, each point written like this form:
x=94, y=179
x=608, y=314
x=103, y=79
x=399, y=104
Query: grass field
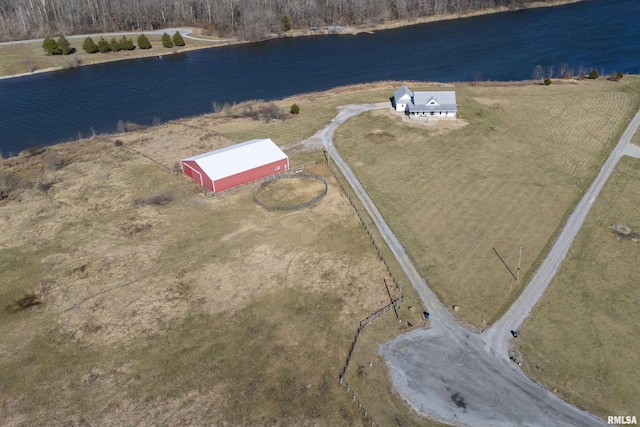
x=161, y=306
x=584, y=332
x=190, y=311
x=504, y=176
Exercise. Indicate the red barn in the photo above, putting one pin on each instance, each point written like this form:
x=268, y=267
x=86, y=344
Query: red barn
x=238, y=164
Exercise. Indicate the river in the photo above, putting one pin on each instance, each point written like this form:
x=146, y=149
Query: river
x=48, y=108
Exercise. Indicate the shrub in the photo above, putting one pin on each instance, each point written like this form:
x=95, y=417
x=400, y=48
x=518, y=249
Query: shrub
x=177, y=39
x=126, y=44
x=166, y=41
x=143, y=42
x=10, y=183
x=547, y=81
x=50, y=46
x=286, y=24
x=615, y=77
x=53, y=160
x=594, y=74
x=89, y=45
x=270, y=112
x=64, y=46
x=115, y=45
x=295, y=109
x=103, y=45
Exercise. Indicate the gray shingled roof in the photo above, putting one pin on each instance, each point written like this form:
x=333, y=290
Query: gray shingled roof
x=434, y=101
x=402, y=90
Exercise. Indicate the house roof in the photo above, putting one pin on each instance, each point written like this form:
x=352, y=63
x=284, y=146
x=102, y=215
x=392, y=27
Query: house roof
x=402, y=91
x=238, y=158
x=434, y=101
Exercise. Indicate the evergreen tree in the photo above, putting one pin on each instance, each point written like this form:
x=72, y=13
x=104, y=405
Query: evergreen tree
x=126, y=44
x=295, y=109
x=89, y=45
x=143, y=42
x=166, y=40
x=103, y=45
x=65, y=47
x=286, y=24
x=594, y=74
x=177, y=39
x=115, y=45
x=50, y=46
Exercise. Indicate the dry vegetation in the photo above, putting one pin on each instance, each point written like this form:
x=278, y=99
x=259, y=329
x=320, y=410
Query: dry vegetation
x=503, y=177
x=130, y=298
x=584, y=332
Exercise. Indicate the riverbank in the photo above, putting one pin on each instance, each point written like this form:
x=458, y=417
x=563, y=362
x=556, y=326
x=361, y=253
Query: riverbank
x=19, y=59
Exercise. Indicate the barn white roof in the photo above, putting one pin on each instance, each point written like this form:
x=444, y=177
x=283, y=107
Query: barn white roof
x=238, y=158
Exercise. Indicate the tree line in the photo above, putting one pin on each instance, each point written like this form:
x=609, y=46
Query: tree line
x=62, y=46
x=246, y=19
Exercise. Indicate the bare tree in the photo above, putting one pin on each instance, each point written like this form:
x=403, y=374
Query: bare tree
x=550, y=72
x=21, y=19
x=538, y=72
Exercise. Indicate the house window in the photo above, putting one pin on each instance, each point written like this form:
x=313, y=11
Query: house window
x=277, y=168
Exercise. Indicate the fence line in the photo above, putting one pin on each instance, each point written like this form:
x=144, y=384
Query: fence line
x=364, y=411
x=364, y=322
x=397, y=284
x=290, y=207
x=151, y=159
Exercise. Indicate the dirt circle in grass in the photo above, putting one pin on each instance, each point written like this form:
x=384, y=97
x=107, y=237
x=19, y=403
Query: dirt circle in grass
x=290, y=192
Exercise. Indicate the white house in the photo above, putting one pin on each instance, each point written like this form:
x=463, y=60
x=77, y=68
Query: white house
x=401, y=98
x=433, y=105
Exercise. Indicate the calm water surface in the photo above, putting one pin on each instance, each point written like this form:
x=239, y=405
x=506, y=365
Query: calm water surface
x=54, y=107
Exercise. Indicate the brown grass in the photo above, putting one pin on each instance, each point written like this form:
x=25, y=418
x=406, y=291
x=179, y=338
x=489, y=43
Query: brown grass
x=199, y=310
x=584, y=332
x=209, y=311
x=290, y=191
x=504, y=177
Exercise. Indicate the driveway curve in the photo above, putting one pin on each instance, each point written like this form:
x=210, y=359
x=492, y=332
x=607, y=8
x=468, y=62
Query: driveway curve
x=456, y=376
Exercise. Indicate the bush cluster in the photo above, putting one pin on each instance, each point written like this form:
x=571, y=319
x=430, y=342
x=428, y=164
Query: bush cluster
x=265, y=112
x=59, y=47
x=62, y=46
x=105, y=46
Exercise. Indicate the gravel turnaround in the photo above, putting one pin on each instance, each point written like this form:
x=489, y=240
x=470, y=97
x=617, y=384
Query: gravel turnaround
x=447, y=374
x=459, y=377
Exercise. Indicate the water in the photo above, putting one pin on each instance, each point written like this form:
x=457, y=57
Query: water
x=53, y=107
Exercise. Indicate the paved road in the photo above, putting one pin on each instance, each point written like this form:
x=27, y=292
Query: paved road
x=456, y=376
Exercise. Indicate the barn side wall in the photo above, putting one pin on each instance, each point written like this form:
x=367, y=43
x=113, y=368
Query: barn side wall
x=251, y=175
x=195, y=172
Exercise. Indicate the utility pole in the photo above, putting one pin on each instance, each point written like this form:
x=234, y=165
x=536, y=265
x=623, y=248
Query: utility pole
x=391, y=298
x=519, y=259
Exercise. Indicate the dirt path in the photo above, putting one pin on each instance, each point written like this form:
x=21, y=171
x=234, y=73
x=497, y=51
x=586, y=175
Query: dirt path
x=451, y=374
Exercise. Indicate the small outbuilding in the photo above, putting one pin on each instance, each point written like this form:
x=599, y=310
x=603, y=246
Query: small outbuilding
x=238, y=164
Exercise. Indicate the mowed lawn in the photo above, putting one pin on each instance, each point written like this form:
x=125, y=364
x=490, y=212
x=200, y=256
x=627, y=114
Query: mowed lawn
x=504, y=177
x=584, y=333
